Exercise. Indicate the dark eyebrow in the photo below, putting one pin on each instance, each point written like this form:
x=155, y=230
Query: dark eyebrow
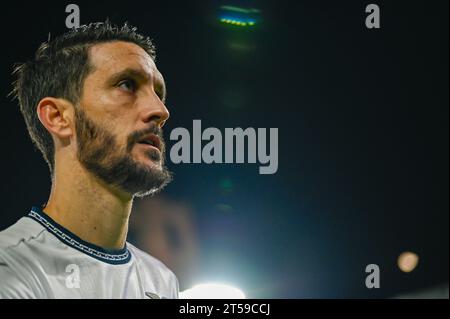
x=133, y=73
x=140, y=75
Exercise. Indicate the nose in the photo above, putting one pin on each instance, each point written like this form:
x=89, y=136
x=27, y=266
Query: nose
x=156, y=111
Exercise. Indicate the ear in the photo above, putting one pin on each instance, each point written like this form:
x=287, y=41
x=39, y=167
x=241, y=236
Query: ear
x=57, y=116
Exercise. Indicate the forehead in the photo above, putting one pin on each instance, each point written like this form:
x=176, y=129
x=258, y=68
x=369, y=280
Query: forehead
x=111, y=57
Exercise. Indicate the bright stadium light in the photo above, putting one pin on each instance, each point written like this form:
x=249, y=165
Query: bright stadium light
x=407, y=261
x=212, y=291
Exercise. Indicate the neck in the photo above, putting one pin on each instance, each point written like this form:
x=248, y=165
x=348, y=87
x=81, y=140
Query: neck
x=88, y=208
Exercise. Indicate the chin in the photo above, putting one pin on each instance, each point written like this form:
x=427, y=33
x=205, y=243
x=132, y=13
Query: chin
x=152, y=164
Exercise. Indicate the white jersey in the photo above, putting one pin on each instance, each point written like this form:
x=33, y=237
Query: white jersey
x=41, y=259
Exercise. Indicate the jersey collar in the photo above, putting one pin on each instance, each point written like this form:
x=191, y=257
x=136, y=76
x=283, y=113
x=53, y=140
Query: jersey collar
x=115, y=257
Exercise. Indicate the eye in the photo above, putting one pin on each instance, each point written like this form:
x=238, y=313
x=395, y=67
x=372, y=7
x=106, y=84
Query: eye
x=128, y=85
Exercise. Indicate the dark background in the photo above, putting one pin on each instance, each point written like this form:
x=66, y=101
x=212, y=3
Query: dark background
x=363, y=136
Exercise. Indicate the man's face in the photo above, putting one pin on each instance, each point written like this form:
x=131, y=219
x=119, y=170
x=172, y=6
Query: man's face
x=119, y=119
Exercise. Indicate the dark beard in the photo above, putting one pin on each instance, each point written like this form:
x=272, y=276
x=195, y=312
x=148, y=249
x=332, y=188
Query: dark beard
x=99, y=152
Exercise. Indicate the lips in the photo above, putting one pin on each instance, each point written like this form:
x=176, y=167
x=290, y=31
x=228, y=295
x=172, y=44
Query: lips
x=152, y=140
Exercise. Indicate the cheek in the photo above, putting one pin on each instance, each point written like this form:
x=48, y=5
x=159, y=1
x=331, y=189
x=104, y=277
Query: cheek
x=121, y=130
x=112, y=111
x=107, y=105
x=118, y=117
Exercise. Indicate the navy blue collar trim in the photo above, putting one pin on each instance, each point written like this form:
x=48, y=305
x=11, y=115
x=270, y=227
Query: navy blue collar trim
x=115, y=257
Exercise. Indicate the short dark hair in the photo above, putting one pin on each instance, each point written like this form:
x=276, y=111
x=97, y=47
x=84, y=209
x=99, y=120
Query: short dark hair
x=59, y=69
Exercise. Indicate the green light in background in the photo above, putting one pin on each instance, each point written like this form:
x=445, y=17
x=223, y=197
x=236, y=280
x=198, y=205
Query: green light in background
x=226, y=184
x=237, y=16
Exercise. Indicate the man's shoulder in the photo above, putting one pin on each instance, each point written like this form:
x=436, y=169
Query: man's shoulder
x=24, y=230
x=18, y=244
x=156, y=268
x=12, y=285
x=16, y=259
x=147, y=259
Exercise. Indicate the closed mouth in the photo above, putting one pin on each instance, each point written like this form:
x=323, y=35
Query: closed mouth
x=151, y=140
